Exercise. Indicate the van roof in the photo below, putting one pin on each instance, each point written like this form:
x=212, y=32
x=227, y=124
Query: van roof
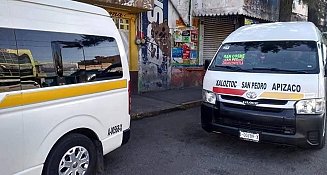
x=305, y=31
x=65, y=16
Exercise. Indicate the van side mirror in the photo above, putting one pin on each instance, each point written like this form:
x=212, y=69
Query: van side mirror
x=206, y=64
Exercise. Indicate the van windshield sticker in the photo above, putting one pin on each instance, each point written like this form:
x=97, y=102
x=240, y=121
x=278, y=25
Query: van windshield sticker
x=226, y=47
x=233, y=59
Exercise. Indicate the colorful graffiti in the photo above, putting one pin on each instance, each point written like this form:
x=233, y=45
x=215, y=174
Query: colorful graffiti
x=155, y=63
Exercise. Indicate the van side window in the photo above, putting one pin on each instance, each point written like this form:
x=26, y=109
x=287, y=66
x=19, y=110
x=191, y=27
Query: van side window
x=102, y=58
x=89, y=58
x=54, y=59
x=68, y=55
x=9, y=67
x=35, y=46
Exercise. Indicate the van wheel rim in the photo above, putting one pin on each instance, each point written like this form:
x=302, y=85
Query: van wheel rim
x=74, y=162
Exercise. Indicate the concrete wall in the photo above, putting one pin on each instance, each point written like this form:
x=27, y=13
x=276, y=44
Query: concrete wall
x=187, y=77
x=181, y=8
x=262, y=9
x=300, y=11
x=221, y=7
x=174, y=13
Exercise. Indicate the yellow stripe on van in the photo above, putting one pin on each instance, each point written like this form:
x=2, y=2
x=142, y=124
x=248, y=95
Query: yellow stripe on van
x=282, y=95
x=56, y=94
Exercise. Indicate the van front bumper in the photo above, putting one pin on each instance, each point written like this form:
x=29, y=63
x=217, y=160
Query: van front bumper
x=300, y=130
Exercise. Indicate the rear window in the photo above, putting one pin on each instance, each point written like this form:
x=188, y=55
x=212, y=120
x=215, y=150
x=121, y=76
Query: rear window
x=268, y=57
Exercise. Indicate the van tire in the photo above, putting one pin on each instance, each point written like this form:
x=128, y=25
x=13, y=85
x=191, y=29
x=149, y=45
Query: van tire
x=68, y=144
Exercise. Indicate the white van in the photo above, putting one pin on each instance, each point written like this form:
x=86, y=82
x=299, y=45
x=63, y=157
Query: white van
x=64, y=96
x=267, y=82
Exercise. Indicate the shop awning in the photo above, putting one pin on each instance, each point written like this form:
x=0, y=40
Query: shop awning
x=266, y=10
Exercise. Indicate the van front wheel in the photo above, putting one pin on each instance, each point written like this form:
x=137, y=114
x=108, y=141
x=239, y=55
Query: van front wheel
x=75, y=154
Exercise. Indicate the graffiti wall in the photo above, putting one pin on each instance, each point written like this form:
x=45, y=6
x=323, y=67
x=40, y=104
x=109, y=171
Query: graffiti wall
x=155, y=54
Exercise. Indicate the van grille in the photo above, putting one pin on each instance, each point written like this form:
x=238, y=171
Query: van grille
x=246, y=125
x=253, y=108
x=260, y=101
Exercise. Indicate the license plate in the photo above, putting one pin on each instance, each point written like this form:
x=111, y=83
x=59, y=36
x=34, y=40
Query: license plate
x=254, y=137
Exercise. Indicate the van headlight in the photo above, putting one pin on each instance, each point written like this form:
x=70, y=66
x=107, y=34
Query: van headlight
x=209, y=97
x=310, y=106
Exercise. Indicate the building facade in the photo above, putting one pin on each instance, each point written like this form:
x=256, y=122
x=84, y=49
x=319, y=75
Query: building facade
x=168, y=41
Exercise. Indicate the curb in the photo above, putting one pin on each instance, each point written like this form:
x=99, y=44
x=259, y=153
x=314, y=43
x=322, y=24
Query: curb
x=182, y=106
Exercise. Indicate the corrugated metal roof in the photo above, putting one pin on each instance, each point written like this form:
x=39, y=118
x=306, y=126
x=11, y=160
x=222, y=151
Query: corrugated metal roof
x=266, y=10
x=217, y=14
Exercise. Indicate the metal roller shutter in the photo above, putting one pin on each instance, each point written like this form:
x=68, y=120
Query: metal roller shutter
x=216, y=29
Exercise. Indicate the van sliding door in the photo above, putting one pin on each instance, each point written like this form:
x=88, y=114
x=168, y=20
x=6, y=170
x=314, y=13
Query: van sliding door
x=11, y=123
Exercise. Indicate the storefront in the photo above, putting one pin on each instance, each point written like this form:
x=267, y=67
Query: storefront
x=222, y=18
x=216, y=29
x=186, y=66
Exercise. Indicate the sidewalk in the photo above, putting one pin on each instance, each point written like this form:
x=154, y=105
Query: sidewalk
x=154, y=103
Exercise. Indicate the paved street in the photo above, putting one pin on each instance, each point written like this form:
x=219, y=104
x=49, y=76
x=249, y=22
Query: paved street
x=175, y=143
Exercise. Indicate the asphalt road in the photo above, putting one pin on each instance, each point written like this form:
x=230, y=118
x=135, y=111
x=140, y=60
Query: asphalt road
x=175, y=143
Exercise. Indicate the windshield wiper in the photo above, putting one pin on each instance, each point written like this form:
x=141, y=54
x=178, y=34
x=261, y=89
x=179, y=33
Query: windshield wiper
x=280, y=70
x=234, y=68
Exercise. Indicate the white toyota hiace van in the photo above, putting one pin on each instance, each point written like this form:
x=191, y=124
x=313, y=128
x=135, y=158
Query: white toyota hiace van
x=267, y=82
x=64, y=96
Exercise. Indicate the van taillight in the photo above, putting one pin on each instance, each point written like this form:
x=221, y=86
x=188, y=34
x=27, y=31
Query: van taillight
x=129, y=97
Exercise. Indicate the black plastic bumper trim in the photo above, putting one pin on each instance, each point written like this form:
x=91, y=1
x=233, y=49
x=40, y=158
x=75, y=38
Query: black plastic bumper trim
x=126, y=136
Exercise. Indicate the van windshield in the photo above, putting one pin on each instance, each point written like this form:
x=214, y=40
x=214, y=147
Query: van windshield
x=293, y=57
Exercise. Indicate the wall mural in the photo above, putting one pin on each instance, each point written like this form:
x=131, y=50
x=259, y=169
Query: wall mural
x=155, y=63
